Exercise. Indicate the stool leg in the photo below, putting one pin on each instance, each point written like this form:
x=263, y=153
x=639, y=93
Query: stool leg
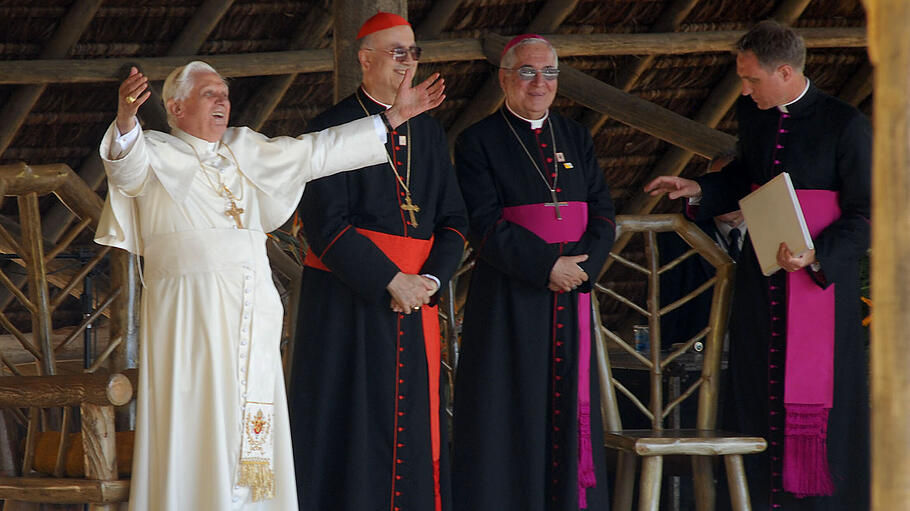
x=625, y=481
x=649, y=490
x=736, y=479
x=703, y=474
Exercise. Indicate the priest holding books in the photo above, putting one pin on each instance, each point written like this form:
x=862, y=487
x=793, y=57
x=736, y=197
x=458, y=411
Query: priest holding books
x=797, y=358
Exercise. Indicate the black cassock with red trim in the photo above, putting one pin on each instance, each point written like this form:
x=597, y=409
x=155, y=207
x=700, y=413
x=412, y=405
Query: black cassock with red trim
x=359, y=395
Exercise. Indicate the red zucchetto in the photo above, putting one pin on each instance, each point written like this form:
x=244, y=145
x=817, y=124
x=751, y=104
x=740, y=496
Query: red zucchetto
x=381, y=21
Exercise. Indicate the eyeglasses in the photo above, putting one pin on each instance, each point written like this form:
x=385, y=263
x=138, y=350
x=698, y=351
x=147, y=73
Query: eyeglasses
x=400, y=54
x=528, y=73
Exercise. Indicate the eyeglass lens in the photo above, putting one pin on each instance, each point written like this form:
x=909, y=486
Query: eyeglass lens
x=529, y=73
x=400, y=54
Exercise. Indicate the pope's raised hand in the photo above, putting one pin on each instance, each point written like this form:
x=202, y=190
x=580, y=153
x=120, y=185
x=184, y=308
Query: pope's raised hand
x=412, y=101
x=131, y=95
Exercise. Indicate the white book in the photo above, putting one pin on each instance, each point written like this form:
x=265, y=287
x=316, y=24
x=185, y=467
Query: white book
x=774, y=215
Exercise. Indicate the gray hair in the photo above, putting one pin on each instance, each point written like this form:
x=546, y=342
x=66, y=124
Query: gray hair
x=180, y=82
x=774, y=45
x=508, y=60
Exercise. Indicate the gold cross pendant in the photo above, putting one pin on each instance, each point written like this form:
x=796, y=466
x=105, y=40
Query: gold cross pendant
x=411, y=208
x=235, y=212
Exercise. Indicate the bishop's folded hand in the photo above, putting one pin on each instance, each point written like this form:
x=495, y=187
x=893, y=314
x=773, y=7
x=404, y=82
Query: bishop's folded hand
x=566, y=275
x=409, y=292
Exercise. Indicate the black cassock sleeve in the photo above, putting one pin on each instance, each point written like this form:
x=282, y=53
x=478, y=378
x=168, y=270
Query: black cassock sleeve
x=598, y=238
x=451, y=222
x=353, y=257
x=839, y=245
x=511, y=248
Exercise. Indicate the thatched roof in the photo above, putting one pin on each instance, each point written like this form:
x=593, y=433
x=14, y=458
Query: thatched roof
x=66, y=122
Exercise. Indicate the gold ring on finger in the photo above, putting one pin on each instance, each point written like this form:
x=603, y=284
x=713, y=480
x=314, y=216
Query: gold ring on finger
x=130, y=99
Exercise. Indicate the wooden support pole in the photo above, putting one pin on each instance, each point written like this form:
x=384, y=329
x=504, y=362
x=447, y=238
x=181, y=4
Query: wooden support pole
x=33, y=248
x=889, y=51
x=23, y=99
x=349, y=15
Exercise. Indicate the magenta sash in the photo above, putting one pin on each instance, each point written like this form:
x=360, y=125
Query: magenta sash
x=809, y=367
x=541, y=220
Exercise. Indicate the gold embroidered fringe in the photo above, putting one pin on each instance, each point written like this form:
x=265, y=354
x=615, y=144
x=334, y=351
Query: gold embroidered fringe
x=258, y=477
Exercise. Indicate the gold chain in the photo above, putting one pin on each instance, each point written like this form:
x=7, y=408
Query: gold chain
x=218, y=190
x=533, y=161
x=404, y=183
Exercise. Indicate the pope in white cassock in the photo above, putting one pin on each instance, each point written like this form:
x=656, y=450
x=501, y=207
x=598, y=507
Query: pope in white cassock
x=212, y=427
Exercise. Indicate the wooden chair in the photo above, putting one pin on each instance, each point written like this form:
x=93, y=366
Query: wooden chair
x=651, y=445
x=96, y=395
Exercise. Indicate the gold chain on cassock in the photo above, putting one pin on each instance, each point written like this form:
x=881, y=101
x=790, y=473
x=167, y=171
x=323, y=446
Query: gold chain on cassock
x=552, y=189
x=408, y=205
x=222, y=190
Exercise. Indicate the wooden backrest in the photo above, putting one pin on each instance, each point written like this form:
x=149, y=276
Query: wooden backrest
x=656, y=407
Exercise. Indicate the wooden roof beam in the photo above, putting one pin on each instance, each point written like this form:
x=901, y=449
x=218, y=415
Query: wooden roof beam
x=436, y=20
x=14, y=72
x=644, y=115
x=859, y=87
x=23, y=99
x=628, y=75
x=710, y=114
x=490, y=96
x=257, y=111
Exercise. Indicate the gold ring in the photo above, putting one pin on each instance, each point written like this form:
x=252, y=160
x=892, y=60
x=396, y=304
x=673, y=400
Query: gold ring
x=417, y=308
x=130, y=99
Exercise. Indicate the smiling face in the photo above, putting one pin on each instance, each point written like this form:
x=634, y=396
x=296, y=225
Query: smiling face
x=529, y=98
x=205, y=111
x=382, y=74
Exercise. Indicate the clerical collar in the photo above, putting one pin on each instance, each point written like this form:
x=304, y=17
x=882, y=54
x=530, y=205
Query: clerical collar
x=783, y=108
x=374, y=100
x=203, y=147
x=535, y=123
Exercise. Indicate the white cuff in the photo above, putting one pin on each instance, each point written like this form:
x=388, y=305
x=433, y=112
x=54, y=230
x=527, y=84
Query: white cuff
x=434, y=279
x=380, y=129
x=695, y=201
x=124, y=142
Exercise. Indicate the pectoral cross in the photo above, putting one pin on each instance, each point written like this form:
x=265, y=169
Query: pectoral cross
x=556, y=204
x=411, y=208
x=235, y=212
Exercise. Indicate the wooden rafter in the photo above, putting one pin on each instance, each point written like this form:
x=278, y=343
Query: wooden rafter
x=13, y=72
x=260, y=107
x=859, y=87
x=628, y=76
x=23, y=99
x=643, y=115
x=490, y=96
x=436, y=19
x=712, y=111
